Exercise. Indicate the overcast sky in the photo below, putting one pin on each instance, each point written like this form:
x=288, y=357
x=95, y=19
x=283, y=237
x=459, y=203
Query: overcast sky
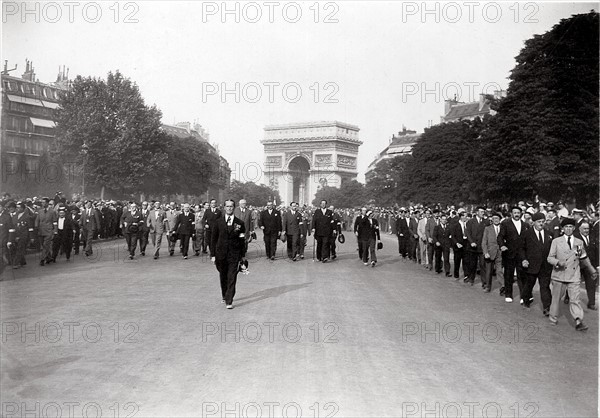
x=377, y=65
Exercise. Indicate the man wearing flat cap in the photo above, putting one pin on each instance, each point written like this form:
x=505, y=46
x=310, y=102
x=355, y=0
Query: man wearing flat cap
x=567, y=256
x=23, y=224
x=534, y=252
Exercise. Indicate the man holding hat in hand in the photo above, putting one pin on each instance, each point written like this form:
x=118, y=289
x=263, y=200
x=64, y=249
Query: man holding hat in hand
x=566, y=254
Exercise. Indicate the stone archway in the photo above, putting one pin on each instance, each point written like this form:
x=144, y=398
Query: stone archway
x=299, y=171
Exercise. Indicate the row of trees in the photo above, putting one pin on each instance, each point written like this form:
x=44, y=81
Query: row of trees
x=543, y=140
x=105, y=128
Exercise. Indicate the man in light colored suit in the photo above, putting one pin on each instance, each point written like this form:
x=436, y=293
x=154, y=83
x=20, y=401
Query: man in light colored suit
x=46, y=224
x=245, y=215
x=200, y=244
x=566, y=255
x=421, y=231
x=492, y=253
x=156, y=225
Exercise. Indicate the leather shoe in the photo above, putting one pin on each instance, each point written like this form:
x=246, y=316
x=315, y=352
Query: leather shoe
x=502, y=291
x=581, y=326
x=592, y=307
x=546, y=312
x=448, y=275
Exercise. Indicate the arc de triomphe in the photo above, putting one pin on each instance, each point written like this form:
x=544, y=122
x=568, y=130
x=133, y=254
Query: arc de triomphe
x=300, y=158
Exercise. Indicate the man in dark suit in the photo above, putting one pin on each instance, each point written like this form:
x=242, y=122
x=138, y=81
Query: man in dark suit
x=185, y=227
x=362, y=216
x=553, y=223
x=75, y=216
x=459, y=242
x=534, y=251
x=210, y=217
x=583, y=233
x=443, y=243
x=368, y=235
x=510, y=241
x=23, y=227
x=144, y=228
x=228, y=249
x=243, y=213
x=132, y=221
x=336, y=230
x=322, y=228
x=291, y=222
x=89, y=222
x=63, y=235
x=7, y=235
x=474, y=253
x=403, y=232
x=413, y=238
x=270, y=223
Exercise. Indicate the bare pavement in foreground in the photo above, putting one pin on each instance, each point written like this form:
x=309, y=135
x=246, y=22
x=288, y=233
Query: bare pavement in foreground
x=107, y=336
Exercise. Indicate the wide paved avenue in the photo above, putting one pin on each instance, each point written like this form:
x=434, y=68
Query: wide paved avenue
x=109, y=337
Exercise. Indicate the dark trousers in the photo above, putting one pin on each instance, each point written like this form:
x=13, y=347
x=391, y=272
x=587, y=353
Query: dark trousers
x=144, y=239
x=62, y=240
x=441, y=251
x=184, y=241
x=545, y=293
x=474, y=260
x=510, y=265
x=368, y=247
x=76, y=240
x=322, y=247
x=590, y=287
x=20, y=251
x=403, y=246
x=459, y=255
x=413, y=253
x=430, y=252
x=293, y=242
x=132, y=239
x=360, y=250
x=332, y=246
x=207, y=240
x=228, y=271
x=271, y=244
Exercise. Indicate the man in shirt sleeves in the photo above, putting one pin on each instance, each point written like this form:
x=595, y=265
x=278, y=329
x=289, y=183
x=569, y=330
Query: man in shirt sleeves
x=227, y=249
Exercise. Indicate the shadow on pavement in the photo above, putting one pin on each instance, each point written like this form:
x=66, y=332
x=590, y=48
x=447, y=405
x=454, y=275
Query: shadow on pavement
x=270, y=293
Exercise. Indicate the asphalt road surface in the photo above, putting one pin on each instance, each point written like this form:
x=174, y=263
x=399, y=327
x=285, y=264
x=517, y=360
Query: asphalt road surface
x=106, y=336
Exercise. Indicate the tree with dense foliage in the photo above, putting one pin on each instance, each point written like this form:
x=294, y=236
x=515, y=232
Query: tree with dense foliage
x=388, y=181
x=544, y=139
x=440, y=169
x=351, y=194
x=107, y=126
x=255, y=194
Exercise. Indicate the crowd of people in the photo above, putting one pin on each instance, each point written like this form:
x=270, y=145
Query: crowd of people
x=507, y=243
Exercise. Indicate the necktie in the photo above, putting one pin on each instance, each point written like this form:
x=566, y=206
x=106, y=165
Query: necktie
x=542, y=237
x=496, y=229
x=569, y=242
x=229, y=221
